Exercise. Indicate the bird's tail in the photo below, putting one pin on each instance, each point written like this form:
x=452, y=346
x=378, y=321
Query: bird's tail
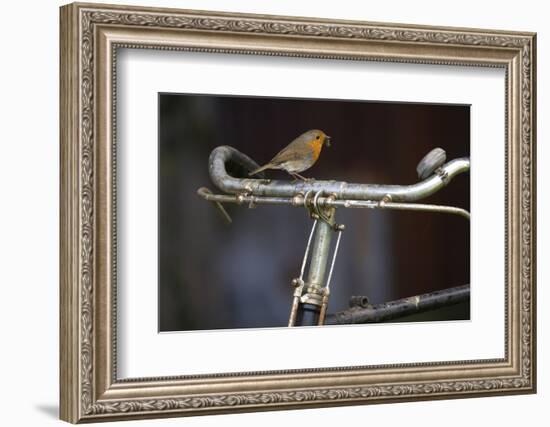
x=263, y=168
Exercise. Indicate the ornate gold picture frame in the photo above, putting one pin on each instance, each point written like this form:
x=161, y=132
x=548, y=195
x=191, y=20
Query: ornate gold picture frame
x=91, y=34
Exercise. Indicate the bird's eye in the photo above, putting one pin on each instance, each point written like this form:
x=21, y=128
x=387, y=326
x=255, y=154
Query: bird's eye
x=317, y=137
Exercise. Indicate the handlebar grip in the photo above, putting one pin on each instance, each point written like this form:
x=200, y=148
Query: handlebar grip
x=431, y=161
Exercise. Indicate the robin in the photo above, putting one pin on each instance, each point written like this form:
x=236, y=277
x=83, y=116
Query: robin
x=299, y=155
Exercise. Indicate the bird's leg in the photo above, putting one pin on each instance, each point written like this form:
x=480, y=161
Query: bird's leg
x=293, y=175
x=303, y=178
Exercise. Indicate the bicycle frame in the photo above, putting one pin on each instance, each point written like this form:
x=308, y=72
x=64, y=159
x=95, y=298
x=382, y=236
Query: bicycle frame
x=322, y=198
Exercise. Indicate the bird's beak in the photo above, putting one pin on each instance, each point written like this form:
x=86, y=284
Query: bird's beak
x=327, y=140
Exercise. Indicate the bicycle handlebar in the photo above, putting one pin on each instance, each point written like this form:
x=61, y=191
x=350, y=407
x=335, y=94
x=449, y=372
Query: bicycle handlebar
x=226, y=158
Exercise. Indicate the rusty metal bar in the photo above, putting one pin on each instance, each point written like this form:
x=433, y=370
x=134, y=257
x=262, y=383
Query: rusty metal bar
x=374, y=313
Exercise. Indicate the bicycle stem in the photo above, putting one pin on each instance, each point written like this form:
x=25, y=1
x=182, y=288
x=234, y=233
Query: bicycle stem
x=312, y=309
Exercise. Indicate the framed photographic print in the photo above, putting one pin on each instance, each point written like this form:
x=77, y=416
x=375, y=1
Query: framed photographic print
x=266, y=212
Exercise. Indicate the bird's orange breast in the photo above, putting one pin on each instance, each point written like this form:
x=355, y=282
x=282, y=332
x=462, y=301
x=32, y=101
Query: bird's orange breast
x=315, y=148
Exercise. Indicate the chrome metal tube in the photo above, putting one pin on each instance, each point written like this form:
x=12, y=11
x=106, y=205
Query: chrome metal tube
x=314, y=297
x=320, y=252
x=225, y=158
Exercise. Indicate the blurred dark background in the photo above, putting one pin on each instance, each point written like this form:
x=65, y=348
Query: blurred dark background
x=213, y=275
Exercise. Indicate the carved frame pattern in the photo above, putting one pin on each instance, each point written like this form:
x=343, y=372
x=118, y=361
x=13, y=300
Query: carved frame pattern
x=81, y=399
